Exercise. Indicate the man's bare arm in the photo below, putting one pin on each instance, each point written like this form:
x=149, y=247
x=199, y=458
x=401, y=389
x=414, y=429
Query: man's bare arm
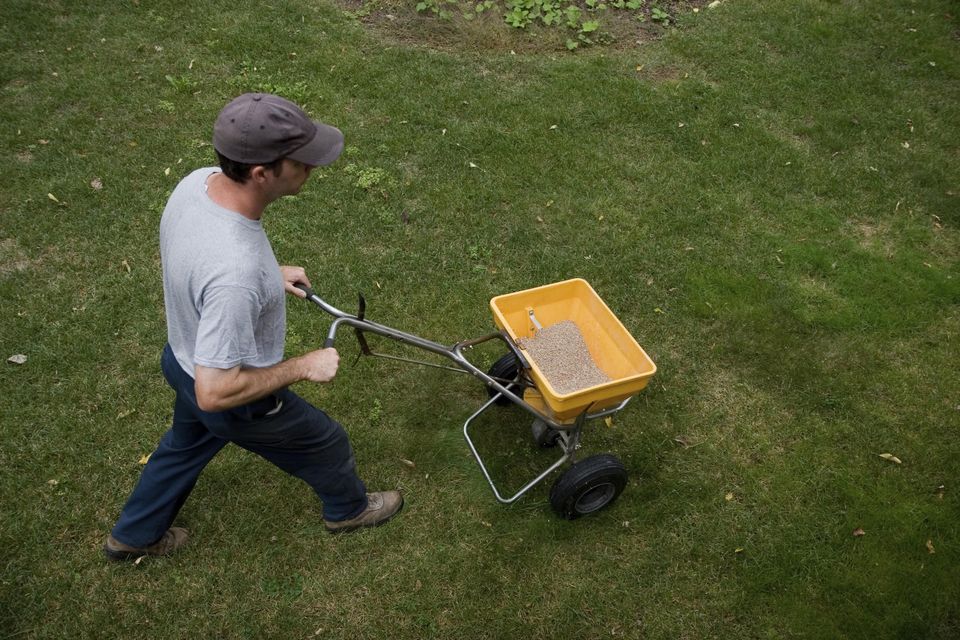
x=221, y=389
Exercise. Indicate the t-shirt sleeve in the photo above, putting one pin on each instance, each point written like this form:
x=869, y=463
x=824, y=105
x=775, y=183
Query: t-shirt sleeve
x=226, y=333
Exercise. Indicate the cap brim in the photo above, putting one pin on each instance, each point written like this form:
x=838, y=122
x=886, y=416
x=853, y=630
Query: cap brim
x=326, y=147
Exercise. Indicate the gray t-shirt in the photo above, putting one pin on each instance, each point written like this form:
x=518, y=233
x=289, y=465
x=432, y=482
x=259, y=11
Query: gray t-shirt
x=222, y=286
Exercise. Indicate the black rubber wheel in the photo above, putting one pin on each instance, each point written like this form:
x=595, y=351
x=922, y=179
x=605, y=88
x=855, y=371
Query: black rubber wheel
x=506, y=368
x=546, y=437
x=588, y=486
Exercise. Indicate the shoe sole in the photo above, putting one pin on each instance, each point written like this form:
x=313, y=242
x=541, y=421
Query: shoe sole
x=365, y=526
x=120, y=556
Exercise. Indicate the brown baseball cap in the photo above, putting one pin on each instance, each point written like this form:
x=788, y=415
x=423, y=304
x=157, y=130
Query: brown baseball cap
x=258, y=128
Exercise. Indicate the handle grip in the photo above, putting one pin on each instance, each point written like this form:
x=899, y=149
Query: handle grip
x=307, y=290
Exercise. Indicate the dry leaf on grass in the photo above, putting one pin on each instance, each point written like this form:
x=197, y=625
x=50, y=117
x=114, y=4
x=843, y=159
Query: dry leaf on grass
x=859, y=532
x=930, y=546
x=891, y=458
x=17, y=358
x=96, y=184
x=144, y=459
x=683, y=441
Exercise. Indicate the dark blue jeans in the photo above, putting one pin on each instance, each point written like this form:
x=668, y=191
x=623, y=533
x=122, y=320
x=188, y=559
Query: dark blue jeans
x=299, y=438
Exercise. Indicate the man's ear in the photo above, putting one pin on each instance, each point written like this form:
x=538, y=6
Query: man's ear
x=258, y=174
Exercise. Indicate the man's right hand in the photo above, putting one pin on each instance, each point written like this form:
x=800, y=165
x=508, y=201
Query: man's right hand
x=320, y=365
x=221, y=389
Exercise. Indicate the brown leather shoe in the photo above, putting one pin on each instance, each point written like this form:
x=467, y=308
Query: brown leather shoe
x=381, y=507
x=173, y=539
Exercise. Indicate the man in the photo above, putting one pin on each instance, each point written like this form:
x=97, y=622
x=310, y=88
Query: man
x=226, y=319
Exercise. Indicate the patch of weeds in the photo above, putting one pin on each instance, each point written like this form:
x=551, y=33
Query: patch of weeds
x=182, y=84
x=659, y=15
x=375, y=414
x=480, y=255
x=441, y=8
x=253, y=77
x=590, y=21
x=367, y=178
x=298, y=92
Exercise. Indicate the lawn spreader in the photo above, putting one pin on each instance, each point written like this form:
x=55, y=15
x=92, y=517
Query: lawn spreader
x=519, y=378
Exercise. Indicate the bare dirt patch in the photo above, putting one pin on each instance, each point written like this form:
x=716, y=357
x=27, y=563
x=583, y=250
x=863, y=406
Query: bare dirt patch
x=12, y=257
x=397, y=22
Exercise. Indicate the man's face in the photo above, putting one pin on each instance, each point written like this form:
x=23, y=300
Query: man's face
x=290, y=177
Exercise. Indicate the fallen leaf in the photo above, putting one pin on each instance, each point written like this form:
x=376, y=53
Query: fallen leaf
x=124, y=414
x=608, y=421
x=930, y=546
x=728, y=497
x=409, y=463
x=940, y=491
x=738, y=550
x=97, y=184
x=905, y=145
x=552, y=127
x=859, y=532
x=539, y=219
x=144, y=459
x=485, y=523
x=166, y=171
x=473, y=166
x=53, y=482
x=682, y=440
x=139, y=560
x=54, y=198
x=891, y=458
x=18, y=358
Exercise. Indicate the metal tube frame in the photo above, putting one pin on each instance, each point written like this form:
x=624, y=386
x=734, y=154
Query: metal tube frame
x=569, y=434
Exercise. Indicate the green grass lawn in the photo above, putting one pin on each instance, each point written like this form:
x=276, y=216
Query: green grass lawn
x=768, y=196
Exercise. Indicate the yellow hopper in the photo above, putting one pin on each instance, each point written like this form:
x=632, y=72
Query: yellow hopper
x=611, y=346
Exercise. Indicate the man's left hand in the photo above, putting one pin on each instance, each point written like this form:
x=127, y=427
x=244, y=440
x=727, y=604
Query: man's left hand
x=292, y=276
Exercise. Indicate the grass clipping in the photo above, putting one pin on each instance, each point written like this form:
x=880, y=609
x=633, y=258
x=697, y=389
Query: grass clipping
x=562, y=355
